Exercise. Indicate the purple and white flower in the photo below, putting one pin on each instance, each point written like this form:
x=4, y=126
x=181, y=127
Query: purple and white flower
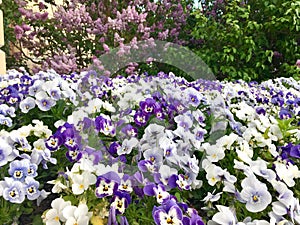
x=255, y=194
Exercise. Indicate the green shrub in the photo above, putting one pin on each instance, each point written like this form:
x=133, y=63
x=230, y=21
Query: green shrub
x=253, y=40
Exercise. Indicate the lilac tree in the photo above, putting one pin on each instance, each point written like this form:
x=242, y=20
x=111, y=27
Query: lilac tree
x=79, y=31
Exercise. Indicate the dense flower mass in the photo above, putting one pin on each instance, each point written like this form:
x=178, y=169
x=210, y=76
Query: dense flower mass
x=156, y=146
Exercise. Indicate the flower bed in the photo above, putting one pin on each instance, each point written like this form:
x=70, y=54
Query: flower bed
x=86, y=149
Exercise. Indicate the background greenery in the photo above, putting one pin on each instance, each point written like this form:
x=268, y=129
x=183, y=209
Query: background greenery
x=250, y=40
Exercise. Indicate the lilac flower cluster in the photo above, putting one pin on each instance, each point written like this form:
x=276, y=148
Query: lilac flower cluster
x=97, y=27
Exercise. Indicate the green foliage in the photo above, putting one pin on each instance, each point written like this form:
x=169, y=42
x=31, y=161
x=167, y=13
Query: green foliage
x=253, y=40
x=11, y=16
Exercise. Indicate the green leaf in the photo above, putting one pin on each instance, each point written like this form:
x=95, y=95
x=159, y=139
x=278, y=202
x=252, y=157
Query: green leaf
x=265, y=135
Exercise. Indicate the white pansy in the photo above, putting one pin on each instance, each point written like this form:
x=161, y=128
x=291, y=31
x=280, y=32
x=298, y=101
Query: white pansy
x=55, y=215
x=94, y=106
x=77, y=215
x=81, y=182
x=58, y=186
x=225, y=216
x=213, y=174
x=255, y=194
x=215, y=153
x=287, y=172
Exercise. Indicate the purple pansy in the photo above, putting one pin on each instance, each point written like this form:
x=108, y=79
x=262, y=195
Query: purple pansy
x=159, y=191
x=113, y=148
x=27, y=104
x=72, y=139
x=295, y=151
x=54, y=142
x=285, y=113
x=126, y=184
x=18, y=169
x=31, y=188
x=74, y=155
x=13, y=191
x=129, y=130
x=26, y=80
x=140, y=118
x=120, y=201
x=147, y=166
x=107, y=184
x=181, y=182
x=13, y=98
x=168, y=214
x=148, y=106
x=104, y=125
x=260, y=110
x=94, y=155
x=43, y=101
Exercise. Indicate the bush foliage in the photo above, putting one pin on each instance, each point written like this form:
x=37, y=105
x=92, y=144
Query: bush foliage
x=248, y=39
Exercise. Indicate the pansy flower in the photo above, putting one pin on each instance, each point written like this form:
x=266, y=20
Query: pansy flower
x=113, y=148
x=159, y=191
x=169, y=214
x=120, y=201
x=285, y=114
x=148, y=106
x=104, y=125
x=54, y=142
x=74, y=155
x=154, y=155
x=127, y=146
x=77, y=215
x=18, y=169
x=7, y=110
x=31, y=188
x=129, y=130
x=295, y=151
x=140, y=118
x=105, y=187
x=7, y=121
x=255, y=194
x=224, y=216
x=26, y=80
x=71, y=138
x=27, y=104
x=54, y=93
x=5, y=152
x=126, y=184
x=182, y=182
x=43, y=101
x=81, y=182
x=13, y=98
x=147, y=165
x=13, y=191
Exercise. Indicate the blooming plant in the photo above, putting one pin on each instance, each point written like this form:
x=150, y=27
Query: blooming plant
x=149, y=149
x=70, y=36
